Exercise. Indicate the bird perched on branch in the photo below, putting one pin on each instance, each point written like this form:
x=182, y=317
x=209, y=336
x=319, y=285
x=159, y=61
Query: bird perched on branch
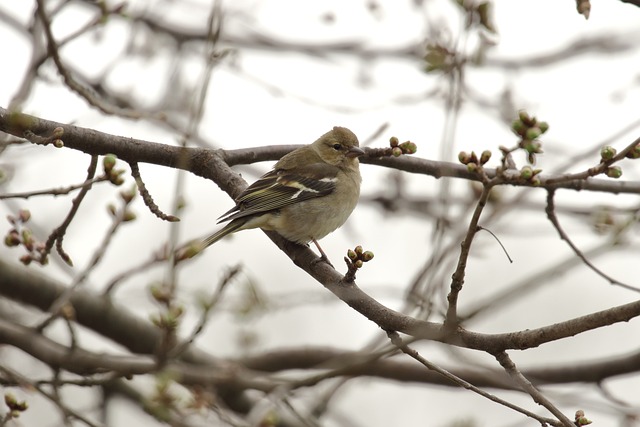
x=309, y=193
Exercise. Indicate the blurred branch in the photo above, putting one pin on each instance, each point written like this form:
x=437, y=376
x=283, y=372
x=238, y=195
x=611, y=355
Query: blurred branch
x=86, y=93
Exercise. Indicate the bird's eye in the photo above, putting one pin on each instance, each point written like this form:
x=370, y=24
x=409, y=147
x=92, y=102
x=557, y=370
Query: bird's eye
x=337, y=147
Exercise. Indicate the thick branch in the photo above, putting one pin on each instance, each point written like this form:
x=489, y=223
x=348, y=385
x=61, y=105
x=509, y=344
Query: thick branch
x=203, y=162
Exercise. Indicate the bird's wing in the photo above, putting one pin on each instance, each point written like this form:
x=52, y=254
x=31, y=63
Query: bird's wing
x=279, y=188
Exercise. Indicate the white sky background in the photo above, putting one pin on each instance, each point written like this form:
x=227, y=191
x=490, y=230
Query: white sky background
x=585, y=100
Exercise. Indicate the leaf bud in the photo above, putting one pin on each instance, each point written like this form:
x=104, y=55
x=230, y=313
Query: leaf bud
x=526, y=173
x=367, y=256
x=485, y=156
x=634, y=153
x=608, y=152
x=614, y=172
x=533, y=133
x=409, y=147
x=543, y=126
x=12, y=238
x=464, y=157
x=108, y=162
x=525, y=118
x=518, y=127
x=128, y=216
x=24, y=215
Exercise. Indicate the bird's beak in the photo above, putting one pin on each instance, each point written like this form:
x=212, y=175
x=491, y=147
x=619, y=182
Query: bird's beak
x=355, y=152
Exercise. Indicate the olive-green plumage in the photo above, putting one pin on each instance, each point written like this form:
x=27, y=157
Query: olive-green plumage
x=309, y=193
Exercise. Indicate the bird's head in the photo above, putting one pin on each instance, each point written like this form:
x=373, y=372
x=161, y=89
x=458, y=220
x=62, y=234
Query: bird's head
x=338, y=147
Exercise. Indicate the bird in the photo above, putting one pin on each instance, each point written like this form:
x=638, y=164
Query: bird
x=309, y=193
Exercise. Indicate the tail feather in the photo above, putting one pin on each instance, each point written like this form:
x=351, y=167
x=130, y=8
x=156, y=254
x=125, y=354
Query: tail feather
x=232, y=227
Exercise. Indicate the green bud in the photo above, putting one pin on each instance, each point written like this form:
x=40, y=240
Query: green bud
x=66, y=259
x=127, y=196
x=614, y=172
x=169, y=321
x=58, y=132
x=156, y=320
x=472, y=167
x=108, y=162
x=607, y=152
x=12, y=238
x=358, y=263
x=367, y=256
x=15, y=407
x=393, y=141
x=474, y=158
x=533, y=133
x=535, y=181
x=111, y=208
x=115, y=176
x=525, y=118
x=464, y=157
x=176, y=311
x=485, y=156
x=634, y=153
x=159, y=294
x=26, y=234
x=409, y=147
x=526, y=173
x=396, y=151
x=58, y=143
x=24, y=215
x=532, y=147
x=128, y=216
x=10, y=400
x=543, y=126
x=352, y=255
x=358, y=250
x=518, y=127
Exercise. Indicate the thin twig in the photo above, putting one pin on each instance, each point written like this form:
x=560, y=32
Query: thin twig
x=397, y=341
x=506, y=362
x=206, y=311
x=551, y=214
x=58, y=234
x=157, y=257
x=64, y=298
x=50, y=396
x=600, y=168
x=457, y=279
x=54, y=191
x=85, y=92
x=146, y=196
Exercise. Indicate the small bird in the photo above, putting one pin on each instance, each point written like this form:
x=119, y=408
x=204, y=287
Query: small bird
x=309, y=193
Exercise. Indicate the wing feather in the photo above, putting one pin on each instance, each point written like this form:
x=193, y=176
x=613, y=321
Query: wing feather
x=279, y=188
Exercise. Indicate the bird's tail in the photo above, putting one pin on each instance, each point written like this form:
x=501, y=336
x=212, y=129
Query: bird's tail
x=232, y=227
